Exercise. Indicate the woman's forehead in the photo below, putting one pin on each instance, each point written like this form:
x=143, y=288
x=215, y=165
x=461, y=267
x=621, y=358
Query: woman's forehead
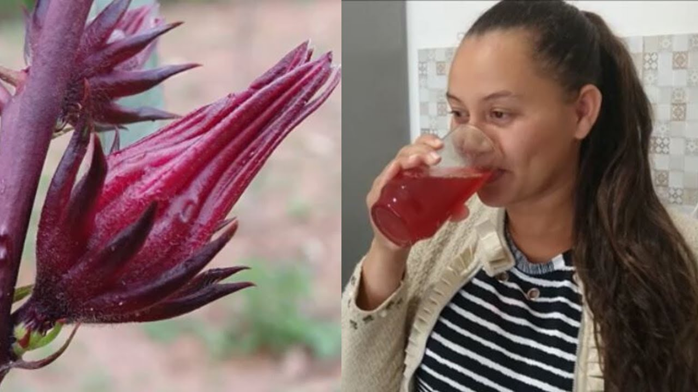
x=497, y=64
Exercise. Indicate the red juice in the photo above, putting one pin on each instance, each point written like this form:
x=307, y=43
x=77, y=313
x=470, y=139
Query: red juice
x=415, y=203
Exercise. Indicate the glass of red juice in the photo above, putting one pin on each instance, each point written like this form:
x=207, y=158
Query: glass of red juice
x=417, y=202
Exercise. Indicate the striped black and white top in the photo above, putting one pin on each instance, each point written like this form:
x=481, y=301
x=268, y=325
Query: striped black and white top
x=514, y=332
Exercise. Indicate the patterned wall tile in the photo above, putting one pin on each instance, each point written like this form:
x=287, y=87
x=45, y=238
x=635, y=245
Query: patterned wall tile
x=663, y=193
x=664, y=128
x=680, y=60
x=680, y=43
x=678, y=112
x=651, y=61
x=649, y=77
x=693, y=77
x=668, y=68
x=665, y=43
x=651, y=44
x=692, y=59
x=675, y=195
x=676, y=128
x=422, y=67
x=676, y=162
x=678, y=94
x=693, y=41
x=441, y=68
x=691, y=167
x=661, y=177
x=691, y=197
x=659, y=145
x=692, y=147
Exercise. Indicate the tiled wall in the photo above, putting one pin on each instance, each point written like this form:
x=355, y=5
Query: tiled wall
x=668, y=66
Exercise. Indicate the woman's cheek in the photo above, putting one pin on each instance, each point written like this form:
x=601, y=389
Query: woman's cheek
x=515, y=147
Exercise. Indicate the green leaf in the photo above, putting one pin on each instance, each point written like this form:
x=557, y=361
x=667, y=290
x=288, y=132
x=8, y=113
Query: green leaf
x=45, y=340
x=35, y=340
x=22, y=292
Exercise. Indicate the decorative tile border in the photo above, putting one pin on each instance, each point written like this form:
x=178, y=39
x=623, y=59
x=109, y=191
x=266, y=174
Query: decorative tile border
x=668, y=67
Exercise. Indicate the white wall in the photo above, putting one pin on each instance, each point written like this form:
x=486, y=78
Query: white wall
x=436, y=24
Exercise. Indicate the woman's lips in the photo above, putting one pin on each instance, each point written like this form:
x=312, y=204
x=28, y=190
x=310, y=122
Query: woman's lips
x=496, y=174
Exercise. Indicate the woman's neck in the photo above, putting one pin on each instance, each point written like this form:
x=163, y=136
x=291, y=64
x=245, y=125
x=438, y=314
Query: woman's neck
x=543, y=228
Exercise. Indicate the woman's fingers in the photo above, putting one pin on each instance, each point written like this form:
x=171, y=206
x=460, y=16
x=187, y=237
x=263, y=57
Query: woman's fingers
x=416, y=149
x=415, y=154
x=430, y=140
x=390, y=171
x=417, y=160
x=421, y=153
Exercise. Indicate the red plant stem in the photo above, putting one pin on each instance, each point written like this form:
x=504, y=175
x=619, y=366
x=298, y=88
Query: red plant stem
x=28, y=122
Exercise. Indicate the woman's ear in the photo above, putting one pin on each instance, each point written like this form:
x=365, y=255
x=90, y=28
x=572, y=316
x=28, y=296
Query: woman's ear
x=587, y=109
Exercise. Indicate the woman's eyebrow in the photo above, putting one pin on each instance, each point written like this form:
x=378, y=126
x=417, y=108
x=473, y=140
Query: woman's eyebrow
x=451, y=96
x=501, y=94
x=489, y=97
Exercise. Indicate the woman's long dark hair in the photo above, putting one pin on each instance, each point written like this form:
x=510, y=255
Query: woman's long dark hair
x=639, y=274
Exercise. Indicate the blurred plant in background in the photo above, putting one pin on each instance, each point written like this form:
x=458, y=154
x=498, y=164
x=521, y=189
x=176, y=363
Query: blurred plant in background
x=263, y=325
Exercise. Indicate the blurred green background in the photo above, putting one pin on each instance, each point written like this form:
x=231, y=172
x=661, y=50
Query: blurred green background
x=282, y=335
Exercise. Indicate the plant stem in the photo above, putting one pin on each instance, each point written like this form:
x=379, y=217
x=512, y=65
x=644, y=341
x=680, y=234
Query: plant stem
x=25, y=134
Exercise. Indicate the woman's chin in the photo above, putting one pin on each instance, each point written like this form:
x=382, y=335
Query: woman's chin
x=491, y=199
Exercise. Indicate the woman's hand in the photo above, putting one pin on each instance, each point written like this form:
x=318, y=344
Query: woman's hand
x=385, y=262
x=423, y=152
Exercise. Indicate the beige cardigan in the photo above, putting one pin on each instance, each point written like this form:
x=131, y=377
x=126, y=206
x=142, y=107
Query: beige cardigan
x=382, y=348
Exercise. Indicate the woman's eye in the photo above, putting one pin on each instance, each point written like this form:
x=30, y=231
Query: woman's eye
x=457, y=114
x=500, y=115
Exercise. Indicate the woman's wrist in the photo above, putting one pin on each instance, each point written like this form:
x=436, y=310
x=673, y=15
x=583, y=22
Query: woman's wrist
x=389, y=254
x=382, y=272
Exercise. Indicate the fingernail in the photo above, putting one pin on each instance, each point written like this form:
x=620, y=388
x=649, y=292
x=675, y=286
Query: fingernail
x=434, y=156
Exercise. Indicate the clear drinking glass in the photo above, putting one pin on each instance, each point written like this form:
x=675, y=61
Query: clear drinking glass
x=417, y=202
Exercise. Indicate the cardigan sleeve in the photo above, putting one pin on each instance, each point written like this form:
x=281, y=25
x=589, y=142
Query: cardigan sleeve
x=373, y=342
